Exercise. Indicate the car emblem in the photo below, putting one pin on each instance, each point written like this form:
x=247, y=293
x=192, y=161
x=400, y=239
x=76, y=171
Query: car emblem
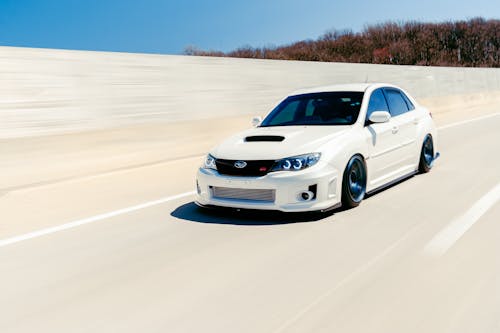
x=240, y=164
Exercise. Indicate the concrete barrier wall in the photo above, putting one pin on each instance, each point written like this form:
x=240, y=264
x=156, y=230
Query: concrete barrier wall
x=45, y=91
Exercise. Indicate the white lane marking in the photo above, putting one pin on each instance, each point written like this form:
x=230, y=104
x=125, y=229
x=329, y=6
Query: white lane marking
x=463, y=122
x=447, y=237
x=91, y=219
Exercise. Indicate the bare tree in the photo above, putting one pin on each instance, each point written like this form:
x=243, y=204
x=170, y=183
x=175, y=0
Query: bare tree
x=475, y=42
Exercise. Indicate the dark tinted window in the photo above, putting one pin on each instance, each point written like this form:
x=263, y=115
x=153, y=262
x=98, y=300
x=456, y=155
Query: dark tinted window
x=288, y=112
x=328, y=108
x=408, y=102
x=397, y=104
x=377, y=103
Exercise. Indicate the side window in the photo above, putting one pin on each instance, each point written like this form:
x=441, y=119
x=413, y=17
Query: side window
x=377, y=103
x=408, y=102
x=397, y=104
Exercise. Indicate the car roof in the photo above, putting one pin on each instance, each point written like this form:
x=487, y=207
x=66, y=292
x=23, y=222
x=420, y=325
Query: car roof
x=361, y=87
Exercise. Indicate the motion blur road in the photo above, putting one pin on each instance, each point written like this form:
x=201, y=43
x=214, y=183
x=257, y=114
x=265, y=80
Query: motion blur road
x=421, y=256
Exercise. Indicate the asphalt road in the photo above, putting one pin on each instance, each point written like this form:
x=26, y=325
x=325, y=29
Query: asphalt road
x=421, y=256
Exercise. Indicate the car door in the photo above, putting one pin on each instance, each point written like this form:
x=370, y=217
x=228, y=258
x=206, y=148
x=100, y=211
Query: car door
x=384, y=140
x=405, y=120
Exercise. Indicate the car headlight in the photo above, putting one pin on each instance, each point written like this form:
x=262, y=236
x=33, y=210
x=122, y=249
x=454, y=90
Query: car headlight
x=209, y=162
x=296, y=163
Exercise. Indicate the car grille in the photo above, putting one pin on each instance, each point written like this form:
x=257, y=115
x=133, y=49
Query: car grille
x=243, y=194
x=253, y=168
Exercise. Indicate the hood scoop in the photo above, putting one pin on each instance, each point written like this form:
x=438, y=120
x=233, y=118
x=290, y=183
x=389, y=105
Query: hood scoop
x=264, y=138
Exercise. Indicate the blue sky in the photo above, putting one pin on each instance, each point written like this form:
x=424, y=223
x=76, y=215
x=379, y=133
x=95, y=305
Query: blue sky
x=163, y=26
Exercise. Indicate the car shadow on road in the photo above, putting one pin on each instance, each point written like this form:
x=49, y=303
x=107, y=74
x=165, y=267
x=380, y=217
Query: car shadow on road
x=191, y=212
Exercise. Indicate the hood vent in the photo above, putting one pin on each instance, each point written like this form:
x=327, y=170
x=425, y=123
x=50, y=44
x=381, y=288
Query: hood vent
x=264, y=138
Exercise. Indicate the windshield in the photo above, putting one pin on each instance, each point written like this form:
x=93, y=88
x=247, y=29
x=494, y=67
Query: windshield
x=326, y=108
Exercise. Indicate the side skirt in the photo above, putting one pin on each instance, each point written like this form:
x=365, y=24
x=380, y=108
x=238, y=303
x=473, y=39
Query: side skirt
x=392, y=182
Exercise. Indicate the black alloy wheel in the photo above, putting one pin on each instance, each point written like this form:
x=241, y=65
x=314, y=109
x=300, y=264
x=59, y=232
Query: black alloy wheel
x=354, y=182
x=426, y=155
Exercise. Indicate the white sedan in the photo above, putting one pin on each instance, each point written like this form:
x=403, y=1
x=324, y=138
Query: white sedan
x=319, y=149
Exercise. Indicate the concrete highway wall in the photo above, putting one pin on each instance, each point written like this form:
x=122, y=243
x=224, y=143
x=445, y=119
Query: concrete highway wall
x=47, y=91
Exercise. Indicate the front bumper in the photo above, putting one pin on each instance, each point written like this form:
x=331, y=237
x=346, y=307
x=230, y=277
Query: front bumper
x=287, y=187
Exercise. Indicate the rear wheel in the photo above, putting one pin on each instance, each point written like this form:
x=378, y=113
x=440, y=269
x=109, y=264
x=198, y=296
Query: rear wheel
x=354, y=182
x=426, y=155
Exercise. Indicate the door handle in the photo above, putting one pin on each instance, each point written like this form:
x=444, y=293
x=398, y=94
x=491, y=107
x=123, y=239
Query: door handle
x=395, y=129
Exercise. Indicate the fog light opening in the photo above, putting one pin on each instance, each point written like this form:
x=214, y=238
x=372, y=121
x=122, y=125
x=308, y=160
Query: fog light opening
x=306, y=195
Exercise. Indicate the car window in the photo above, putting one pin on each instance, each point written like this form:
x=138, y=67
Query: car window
x=377, y=103
x=408, y=102
x=324, y=108
x=397, y=104
x=287, y=114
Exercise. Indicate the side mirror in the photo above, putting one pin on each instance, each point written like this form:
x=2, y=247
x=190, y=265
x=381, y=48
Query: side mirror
x=379, y=117
x=256, y=121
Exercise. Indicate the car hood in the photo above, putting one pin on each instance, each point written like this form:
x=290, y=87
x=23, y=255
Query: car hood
x=262, y=143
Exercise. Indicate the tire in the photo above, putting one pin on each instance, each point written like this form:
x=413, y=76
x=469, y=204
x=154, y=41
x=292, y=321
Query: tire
x=426, y=155
x=354, y=182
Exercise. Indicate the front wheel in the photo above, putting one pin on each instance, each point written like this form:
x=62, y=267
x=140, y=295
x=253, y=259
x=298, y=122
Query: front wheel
x=426, y=155
x=354, y=182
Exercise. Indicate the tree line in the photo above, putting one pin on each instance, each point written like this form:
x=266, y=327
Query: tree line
x=471, y=43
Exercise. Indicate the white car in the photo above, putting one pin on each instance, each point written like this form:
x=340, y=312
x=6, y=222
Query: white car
x=319, y=149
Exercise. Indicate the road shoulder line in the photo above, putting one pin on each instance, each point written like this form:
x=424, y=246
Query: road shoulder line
x=463, y=122
x=92, y=219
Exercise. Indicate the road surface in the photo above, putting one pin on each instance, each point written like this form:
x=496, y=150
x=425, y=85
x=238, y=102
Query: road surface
x=421, y=256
